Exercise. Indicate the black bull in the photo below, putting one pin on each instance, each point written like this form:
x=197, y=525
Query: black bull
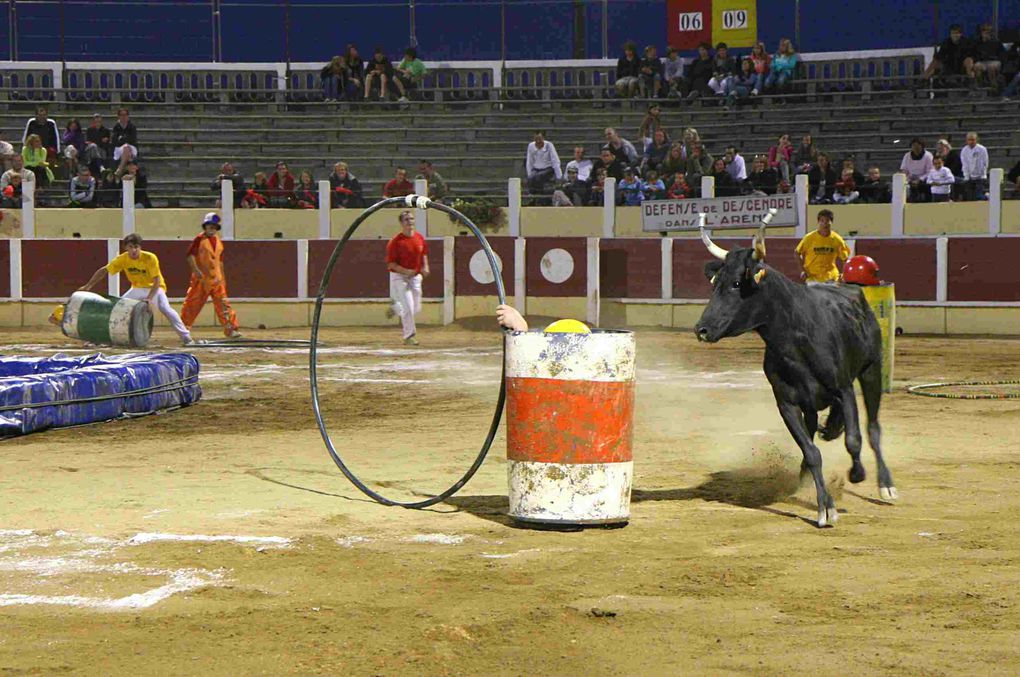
x=818, y=340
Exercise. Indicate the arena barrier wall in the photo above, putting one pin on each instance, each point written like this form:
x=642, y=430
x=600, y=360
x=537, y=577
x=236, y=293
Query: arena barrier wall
x=944, y=284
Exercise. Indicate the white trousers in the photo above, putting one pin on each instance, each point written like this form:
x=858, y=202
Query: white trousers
x=163, y=303
x=405, y=291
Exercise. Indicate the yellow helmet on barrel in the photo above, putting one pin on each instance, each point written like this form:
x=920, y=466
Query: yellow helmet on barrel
x=567, y=327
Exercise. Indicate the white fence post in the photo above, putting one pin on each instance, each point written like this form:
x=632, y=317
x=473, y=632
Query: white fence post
x=15, y=268
x=609, y=207
x=28, y=208
x=113, y=281
x=513, y=192
x=128, y=210
x=995, y=201
x=667, y=267
x=325, y=209
x=227, y=209
x=302, y=269
x=801, y=188
x=594, y=294
x=941, y=269
x=449, y=301
x=421, y=216
x=898, y=203
x=520, y=276
x=707, y=186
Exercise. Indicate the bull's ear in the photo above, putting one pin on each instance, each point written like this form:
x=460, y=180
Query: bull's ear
x=712, y=269
x=759, y=274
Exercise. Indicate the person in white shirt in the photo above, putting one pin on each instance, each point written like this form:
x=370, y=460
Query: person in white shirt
x=735, y=164
x=916, y=164
x=941, y=181
x=974, y=158
x=582, y=165
x=542, y=164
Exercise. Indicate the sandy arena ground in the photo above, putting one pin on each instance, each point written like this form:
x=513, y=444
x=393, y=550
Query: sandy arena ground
x=289, y=570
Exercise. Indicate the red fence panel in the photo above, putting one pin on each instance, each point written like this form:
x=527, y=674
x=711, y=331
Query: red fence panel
x=630, y=268
x=56, y=268
x=472, y=267
x=557, y=266
x=909, y=263
x=983, y=269
x=361, y=271
x=5, y=269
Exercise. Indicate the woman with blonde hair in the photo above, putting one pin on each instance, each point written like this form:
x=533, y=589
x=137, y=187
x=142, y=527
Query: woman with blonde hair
x=34, y=156
x=784, y=65
x=760, y=59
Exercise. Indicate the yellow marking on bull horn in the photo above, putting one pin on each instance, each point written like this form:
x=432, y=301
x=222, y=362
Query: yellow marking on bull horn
x=760, y=275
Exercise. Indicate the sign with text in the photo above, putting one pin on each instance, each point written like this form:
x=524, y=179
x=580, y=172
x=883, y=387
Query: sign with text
x=747, y=210
x=735, y=22
x=689, y=23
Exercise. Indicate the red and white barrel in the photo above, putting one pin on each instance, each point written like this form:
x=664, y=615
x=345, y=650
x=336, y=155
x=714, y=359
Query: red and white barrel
x=570, y=426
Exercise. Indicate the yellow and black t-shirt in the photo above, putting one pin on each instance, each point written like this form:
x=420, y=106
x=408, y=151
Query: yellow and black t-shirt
x=820, y=253
x=140, y=272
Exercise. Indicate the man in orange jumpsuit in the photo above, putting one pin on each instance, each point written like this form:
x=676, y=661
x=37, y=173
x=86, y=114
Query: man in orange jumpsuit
x=205, y=257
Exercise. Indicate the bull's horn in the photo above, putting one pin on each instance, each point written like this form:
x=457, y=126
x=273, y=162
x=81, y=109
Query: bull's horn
x=759, y=237
x=716, y=251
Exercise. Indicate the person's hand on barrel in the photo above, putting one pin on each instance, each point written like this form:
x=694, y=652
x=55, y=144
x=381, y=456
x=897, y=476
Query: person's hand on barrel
x=508, y=317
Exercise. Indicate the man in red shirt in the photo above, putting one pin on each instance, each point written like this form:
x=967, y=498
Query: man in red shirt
x=399, y=186
x=408, y=262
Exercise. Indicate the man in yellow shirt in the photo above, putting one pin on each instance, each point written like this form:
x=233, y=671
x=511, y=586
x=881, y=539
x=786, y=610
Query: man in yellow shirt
x=819, y=251
x=147, y=283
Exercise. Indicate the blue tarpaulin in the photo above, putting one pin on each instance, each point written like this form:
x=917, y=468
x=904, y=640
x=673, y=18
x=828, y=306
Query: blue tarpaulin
x=37, y=393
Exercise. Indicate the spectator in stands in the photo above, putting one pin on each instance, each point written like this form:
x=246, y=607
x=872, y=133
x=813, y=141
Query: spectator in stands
x=620, y=147
x=610, y=164
x=821, y=181
x=989, y=54
x=656, y=151
x=940, y=181
x=700, y=72
x=673, y=74
x=699, y=163
x=735, y=164
x=571, y=192
x=109, y=191
x=356, y=70
x=629, y=191
x=851, y=164
x=1012, y=71
x=805, y=155
x=846, y=188
x=724, y=68
x=679, y=188
x=628, y=71
x=34, y=155
x=281, y=186
x=581, y=164
x=954, y=59
x=874, y=190
x=333, y=77
x=257, y=196
x=653, y=187
x=974, y=158
x=97, y=145
x=73, y=140
x=345, y=189
x=227, y=173
x=916, y=164
x=725, y=186
x=12, y=193
x=951, y=158
x=17, y=169
x=763, y=180
x=650, y=123
x=742, y=84
x=438, y=190
x=597, y=191
x=780, y=156
x=673, y=162
x=124, y=131
x=83, y=189
x=541, y=164
x=380, y=70
x=690, y=135
x=398, y=186
x=306, y=192
x=137, y=174
x=409, y=73
x=762, y=62
x=7, y=154
x=783, y=67
x=122, y=155
x=651, y=73
x=46, y=129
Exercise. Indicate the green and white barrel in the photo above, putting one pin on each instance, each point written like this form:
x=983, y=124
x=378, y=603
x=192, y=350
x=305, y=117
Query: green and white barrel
x=107, y=320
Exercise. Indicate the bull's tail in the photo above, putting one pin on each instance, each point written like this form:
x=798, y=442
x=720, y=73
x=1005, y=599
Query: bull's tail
x=834, y=424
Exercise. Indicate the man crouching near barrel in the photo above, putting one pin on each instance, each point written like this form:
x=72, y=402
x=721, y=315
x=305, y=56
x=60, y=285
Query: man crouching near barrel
x=147, y=283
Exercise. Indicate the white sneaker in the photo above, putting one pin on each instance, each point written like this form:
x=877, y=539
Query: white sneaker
x=402, y=99
x=234, y=334
x=754, y=92
x=188, y=342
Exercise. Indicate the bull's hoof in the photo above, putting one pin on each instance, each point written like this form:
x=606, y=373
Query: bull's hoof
x=857, y=474
x=827, y=518
x=888, y=493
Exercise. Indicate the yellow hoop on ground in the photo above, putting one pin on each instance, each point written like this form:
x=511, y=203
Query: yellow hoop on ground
x=567, y=327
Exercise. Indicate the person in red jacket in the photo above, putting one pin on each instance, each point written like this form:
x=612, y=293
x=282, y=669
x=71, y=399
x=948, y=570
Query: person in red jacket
x=205, y=257
x=281, y=187
x=407, y=259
